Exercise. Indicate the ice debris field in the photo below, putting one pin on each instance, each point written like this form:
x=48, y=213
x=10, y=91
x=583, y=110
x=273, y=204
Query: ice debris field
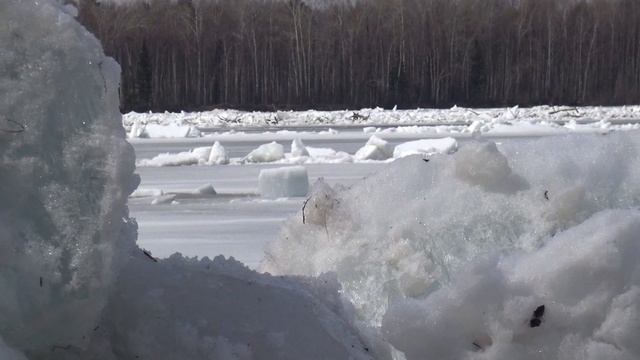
x=374, y=150
x=457, y=121
x=526, y=250
x=426, y=131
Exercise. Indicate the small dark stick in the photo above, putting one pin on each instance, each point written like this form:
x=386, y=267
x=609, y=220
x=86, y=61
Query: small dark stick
x=478, y=347
x=546, y=194
x=304, y=205
x=148, y=254
x=40, y=281
x=425, y=160
x=21, y=128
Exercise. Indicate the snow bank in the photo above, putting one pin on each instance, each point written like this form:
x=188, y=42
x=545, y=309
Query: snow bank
x=578, y=297
x=426, y=147
x=73, y=285
x=374, y=149
x=266, y=153
x=283, y=182
x=219, y=309
x=485, y=201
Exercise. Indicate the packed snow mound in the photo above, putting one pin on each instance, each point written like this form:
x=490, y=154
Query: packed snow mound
x=401, y=233
x=577, y=297
x=374, y=149
x=66, y=171
x=426, y=147
x=283, y=182
x=219, y=309
x=266, y=153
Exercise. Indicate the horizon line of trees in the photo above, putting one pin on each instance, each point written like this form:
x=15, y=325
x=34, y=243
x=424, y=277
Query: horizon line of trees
x=275, y=54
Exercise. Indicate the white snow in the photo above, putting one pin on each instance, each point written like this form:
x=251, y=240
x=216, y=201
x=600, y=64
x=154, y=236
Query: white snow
x=266, y=153
x=426, y=147
x=282, y=182
x=374, y=149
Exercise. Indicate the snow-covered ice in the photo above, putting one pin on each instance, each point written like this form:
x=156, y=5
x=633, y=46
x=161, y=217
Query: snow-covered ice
x=456, y=121
x=290, y=181
x=477, y=240
x=266, y=153
x=577, y=297
x=426, y=147
x=215, y=154
x=374, y=149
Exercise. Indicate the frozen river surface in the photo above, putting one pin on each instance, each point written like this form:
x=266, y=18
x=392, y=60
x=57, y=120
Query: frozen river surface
x=234, y=223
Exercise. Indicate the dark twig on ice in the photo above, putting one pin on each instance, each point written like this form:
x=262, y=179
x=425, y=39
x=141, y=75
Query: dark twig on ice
x=148, y=254
x=546, y=194
x=304, y=205
x=20, y=128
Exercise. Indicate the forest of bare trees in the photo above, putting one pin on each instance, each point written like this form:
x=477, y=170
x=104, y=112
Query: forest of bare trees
x=268, y=54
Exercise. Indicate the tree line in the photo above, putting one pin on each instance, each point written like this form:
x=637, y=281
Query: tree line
x=275, y=54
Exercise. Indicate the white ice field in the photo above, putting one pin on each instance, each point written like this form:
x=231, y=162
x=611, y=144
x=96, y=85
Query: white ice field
x=493, y=249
